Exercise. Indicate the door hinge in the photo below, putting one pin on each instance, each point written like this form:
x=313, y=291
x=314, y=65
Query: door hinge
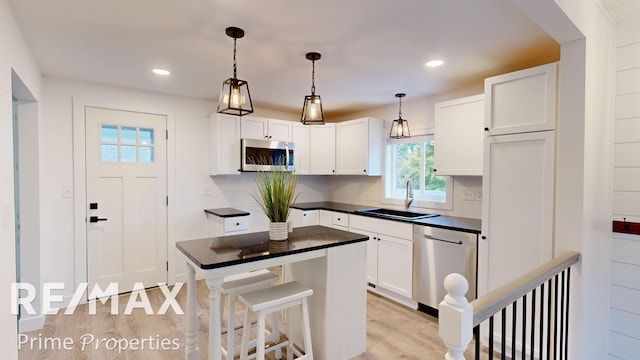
x=167, y=266
x=166, y=133
x=167, y=201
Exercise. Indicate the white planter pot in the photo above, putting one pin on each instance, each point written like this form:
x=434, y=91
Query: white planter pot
x=278, y=231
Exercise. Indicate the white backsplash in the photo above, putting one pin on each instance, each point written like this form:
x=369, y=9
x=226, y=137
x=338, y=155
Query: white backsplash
x=237, y=191
x=366, y=190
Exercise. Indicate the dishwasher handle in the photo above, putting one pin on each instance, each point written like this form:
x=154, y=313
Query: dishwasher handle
x=457, y=242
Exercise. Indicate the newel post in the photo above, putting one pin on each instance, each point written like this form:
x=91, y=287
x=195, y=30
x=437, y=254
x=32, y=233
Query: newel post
x=455, y=321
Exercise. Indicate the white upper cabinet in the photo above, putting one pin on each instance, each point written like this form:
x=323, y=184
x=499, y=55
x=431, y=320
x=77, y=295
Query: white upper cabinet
x=224, y=144
x=300, y=137
x=322, y=149
x=359, y=146
x=315, y=148
x=459, y=136
x=521, y=101
x=265, y=129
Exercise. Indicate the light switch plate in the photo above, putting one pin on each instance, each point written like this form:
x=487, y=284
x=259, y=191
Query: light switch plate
x=478, y=194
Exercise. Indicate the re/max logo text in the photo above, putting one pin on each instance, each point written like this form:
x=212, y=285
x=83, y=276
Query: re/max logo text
x=24, y=294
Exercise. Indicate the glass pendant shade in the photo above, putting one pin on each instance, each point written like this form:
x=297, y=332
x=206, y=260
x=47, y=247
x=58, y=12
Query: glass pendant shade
x=399, y=129
x=400, y=126
x=312, y=109
x=235, y=98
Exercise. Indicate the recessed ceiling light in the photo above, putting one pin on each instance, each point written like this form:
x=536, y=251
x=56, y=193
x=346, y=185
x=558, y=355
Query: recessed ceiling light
x=434, y=63
x=161, y=72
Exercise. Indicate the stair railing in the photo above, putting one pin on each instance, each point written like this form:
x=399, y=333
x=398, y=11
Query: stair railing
x=536, y=329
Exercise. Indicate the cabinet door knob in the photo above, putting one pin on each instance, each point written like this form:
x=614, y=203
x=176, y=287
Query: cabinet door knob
x=434, y=170
x=483, y=237
x=237, y=224
x=365, y=170
x=486, y=129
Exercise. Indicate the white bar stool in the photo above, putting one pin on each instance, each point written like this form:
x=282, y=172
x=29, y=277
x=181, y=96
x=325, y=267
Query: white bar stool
x=235, y=285
x=272, y=300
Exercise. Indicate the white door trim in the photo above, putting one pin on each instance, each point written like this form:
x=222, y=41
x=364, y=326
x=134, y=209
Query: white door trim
x=79, y=185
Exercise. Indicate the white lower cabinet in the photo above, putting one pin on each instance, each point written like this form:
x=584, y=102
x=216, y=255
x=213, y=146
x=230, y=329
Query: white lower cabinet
x=304, y=217
x=233, y=225
x=334, y=219
x=389, y=254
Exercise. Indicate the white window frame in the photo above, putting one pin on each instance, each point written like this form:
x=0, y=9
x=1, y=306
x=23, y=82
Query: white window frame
x=427, y=201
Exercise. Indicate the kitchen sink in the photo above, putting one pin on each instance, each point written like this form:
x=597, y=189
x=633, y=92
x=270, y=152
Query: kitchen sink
x=394, y=214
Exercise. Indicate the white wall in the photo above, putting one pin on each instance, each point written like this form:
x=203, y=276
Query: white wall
x=624, y=311
x=62, y=144
x=16, y=55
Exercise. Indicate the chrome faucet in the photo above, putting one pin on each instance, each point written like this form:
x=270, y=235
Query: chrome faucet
x=409, y=197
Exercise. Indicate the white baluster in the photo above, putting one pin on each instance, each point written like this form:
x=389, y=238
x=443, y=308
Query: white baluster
x=455, y=321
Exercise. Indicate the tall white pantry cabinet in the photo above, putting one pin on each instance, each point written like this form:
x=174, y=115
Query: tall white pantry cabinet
x=518, y=175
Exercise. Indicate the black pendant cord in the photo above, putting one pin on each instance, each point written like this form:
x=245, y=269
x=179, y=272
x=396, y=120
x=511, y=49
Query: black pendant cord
x=400, y=108
x=313, y=77
x=235, y=66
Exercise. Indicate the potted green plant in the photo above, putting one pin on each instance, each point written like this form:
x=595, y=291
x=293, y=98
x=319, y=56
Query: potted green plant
x=276, y=194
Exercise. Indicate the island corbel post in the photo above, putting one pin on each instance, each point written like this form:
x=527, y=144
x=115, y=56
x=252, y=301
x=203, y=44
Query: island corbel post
x=455, y=323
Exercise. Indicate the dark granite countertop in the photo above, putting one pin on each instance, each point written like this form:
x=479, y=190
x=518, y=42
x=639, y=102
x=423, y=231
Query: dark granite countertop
x=331, y=206
x=226, y=212
x=473, y=226
x=216, y=252
x=446, y=222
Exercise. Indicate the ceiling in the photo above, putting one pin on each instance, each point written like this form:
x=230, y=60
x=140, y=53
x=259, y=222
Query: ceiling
x=370, y=49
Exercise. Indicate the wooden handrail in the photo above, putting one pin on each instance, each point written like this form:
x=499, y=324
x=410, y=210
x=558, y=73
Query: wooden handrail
x=458, y=317
x=496, y=300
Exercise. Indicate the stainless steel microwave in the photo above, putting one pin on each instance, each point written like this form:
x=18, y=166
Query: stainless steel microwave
x=266, y=155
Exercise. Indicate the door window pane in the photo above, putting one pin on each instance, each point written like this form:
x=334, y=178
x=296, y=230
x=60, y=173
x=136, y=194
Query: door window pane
x=146, y=136
x=146, y=154
x=109, y=134
x=128, y=135
x=109, y=153
x=127, y=144
x=128, y=153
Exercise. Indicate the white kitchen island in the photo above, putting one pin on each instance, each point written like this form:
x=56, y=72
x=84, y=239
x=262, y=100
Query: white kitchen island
x=330, y=261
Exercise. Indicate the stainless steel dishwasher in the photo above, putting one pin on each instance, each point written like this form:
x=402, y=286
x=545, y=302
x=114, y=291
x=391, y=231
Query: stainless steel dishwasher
x=437, y=253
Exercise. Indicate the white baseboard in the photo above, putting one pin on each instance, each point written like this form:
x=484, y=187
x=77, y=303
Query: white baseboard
x=394, y=297
x=30, y=324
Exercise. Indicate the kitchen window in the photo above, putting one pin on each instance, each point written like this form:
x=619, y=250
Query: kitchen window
x=412, y=159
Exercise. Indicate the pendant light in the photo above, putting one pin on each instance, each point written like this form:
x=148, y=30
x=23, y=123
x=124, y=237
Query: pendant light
x=400, y=127
x=234, y=96
x=312, y=109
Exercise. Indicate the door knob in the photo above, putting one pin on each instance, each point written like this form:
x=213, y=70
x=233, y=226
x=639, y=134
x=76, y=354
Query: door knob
x=95, y=219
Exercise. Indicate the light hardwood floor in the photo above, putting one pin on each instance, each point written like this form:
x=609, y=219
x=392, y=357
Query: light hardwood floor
x=393, y=332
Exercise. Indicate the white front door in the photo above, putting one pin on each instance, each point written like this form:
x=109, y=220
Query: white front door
x=127, y=198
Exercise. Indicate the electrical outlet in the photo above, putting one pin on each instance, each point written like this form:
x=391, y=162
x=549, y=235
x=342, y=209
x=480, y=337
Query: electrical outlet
x=468, y=195
x=478, y=194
